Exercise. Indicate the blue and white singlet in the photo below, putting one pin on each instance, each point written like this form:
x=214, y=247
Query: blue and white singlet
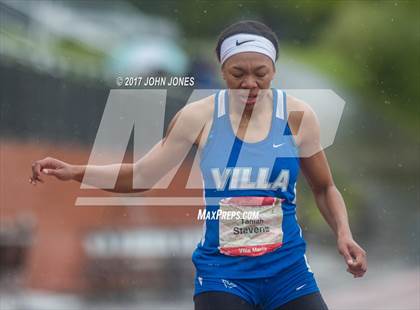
x=237, y=247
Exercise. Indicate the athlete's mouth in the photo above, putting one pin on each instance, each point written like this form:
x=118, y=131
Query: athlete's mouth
x=249, y=98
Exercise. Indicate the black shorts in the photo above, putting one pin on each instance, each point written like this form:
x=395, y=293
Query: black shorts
x=222, y=301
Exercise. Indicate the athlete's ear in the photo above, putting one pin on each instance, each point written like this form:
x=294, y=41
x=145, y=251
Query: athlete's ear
x=223, y=73
x=273, y=74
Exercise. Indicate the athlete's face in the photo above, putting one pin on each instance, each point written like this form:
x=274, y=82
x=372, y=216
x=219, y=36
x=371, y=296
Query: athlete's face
x=250, y=72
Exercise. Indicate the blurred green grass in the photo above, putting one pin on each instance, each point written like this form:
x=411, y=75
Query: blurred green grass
x=397, y=107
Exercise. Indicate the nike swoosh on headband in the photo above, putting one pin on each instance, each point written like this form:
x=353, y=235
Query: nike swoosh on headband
x=240, y=43
x=236, y=44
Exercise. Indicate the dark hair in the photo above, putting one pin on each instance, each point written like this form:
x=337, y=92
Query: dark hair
x=249, y=27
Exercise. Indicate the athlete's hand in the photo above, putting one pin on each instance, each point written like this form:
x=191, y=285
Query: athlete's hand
x=51, y=166
x=354, y=256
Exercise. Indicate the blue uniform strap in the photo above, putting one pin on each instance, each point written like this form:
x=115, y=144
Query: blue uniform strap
x=287, y=131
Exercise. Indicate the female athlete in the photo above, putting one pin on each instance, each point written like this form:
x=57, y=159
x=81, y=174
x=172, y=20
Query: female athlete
x=251, y=149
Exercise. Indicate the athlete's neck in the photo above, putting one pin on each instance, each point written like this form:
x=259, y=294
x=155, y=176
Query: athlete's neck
x=239, y=109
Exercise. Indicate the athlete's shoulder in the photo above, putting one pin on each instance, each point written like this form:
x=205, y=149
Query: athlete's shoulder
x=192, y=118
x=296, y=104
x=302, y=120
x=200, y=109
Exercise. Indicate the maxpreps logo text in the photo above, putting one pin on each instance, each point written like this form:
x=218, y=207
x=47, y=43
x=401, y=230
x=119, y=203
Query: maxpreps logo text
x=204, y=214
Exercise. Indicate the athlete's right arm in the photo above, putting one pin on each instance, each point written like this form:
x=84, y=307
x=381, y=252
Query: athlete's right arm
x=183, y=131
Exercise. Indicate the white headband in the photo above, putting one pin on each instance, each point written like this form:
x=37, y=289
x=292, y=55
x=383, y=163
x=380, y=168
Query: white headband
x=243, y=42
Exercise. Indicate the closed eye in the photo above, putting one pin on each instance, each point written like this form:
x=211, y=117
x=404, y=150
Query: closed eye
x=261, y=75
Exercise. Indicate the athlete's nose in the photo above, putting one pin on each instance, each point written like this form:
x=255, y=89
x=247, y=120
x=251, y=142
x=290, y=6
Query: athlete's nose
x=249, y=83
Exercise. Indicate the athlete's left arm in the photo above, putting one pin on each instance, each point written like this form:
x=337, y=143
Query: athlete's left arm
x=328, y=198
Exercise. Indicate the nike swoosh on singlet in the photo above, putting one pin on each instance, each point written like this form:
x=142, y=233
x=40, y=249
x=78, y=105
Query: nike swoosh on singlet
x=240, y=43
x=277, y=145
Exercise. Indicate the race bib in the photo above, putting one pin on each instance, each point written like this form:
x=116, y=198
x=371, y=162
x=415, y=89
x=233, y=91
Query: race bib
x=255, y=227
